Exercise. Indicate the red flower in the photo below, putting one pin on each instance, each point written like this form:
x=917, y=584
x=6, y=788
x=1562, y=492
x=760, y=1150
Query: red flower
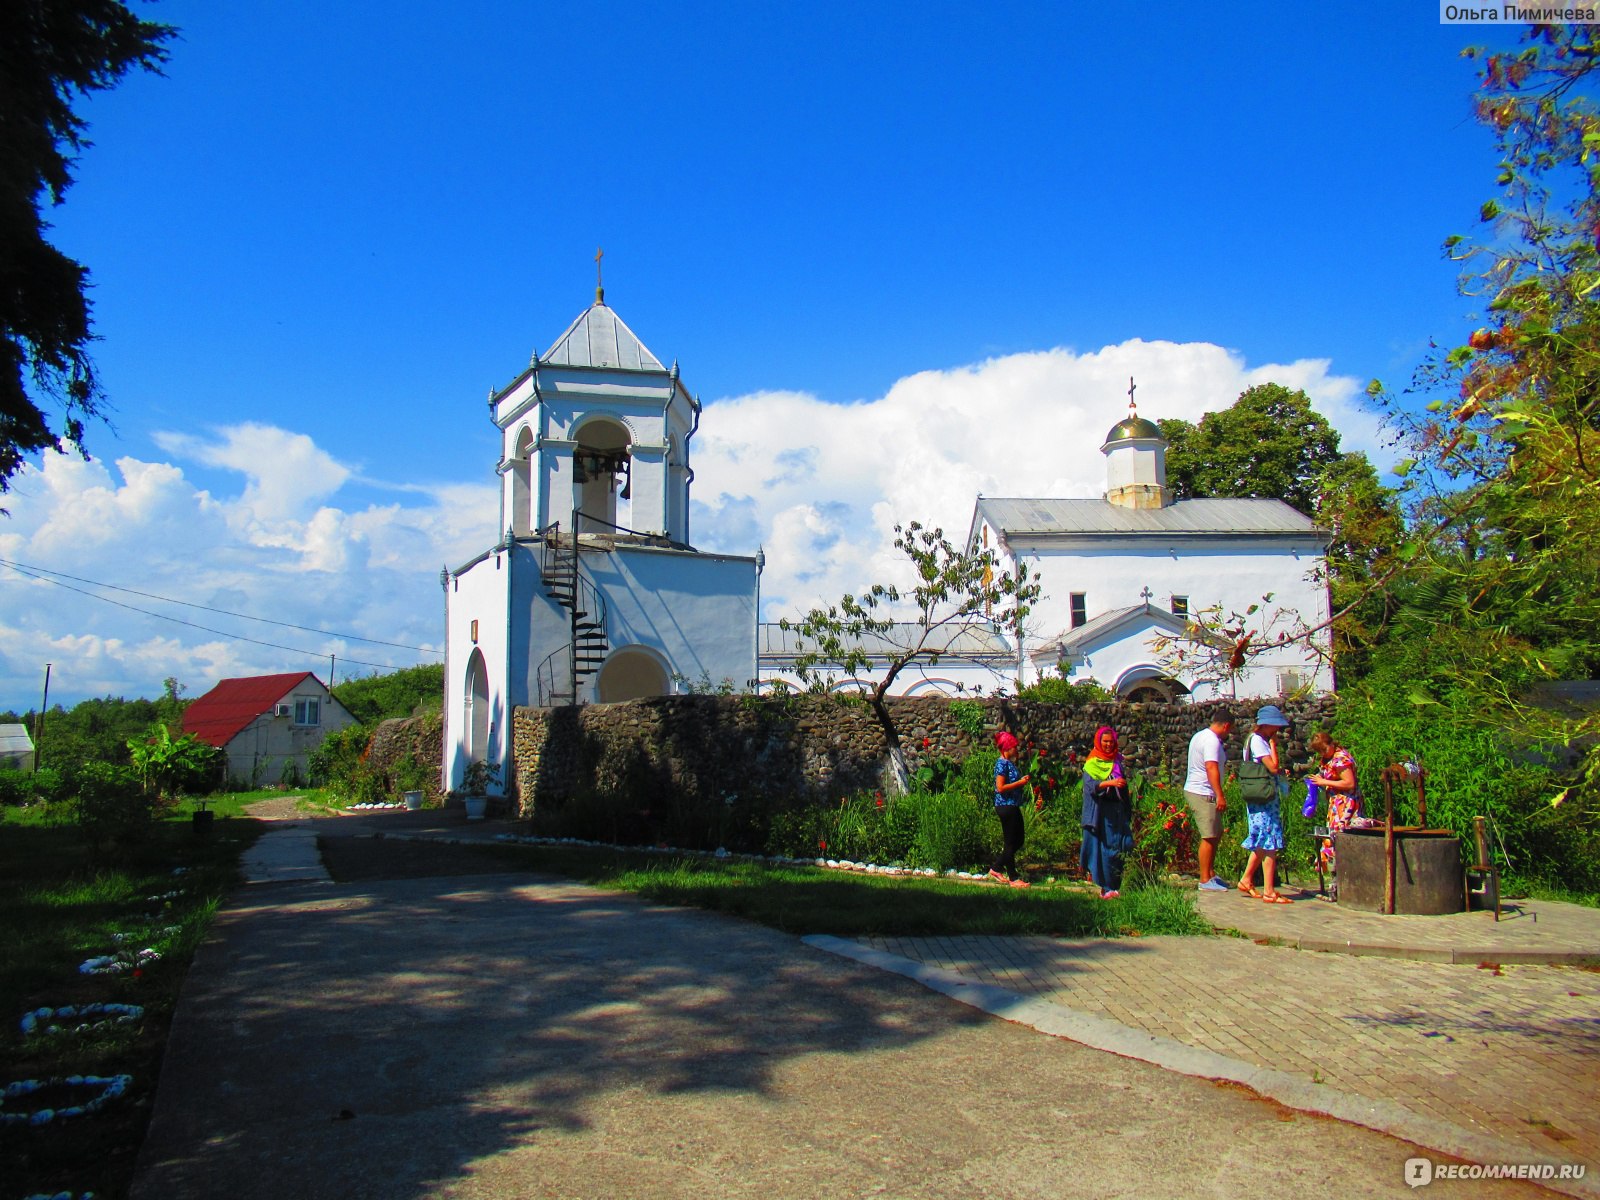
x=1052, y=783
x=924, y=743
x=822, y=843
x=1168, y=825
x=879, y=803
x=1072, y=756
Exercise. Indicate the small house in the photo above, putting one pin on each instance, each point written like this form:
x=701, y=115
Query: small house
x=16, y=748
x=268, y=725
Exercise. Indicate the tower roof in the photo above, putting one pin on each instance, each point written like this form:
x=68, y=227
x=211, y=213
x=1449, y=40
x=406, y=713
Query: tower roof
x=1133, y=427
x=599, y=338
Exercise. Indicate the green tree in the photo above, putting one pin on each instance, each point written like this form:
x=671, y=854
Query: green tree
x=53, y=53
x=374, y=698
x=954, y=587
x=1504, y=482
x=1271, y=444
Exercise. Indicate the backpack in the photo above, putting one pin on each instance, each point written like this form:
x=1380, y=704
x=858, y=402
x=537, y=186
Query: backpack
x=1257, y=785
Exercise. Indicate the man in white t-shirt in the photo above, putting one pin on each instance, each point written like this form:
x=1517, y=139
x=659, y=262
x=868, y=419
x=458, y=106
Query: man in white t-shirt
x=1202, y=788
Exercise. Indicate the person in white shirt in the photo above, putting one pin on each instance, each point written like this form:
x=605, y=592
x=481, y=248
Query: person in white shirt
x=1202, y=789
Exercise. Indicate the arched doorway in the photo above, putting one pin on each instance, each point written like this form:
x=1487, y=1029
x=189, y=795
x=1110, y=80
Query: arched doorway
x=1149, y=685
x=632, y=674
x=476, y=702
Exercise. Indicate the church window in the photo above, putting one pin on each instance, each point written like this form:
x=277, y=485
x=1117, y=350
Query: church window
x=1180, y=606
x=1080, y=609
x=307, y=710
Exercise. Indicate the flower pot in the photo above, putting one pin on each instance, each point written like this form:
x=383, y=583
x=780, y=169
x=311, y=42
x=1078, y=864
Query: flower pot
x=201, y=821
x=476, y=807
x=413, y=800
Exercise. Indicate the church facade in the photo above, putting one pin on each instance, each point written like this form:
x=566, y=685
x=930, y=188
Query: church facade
x=1123, y=572
x=593, y=592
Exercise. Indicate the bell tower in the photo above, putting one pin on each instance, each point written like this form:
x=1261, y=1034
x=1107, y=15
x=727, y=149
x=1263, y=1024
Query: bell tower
x=596, y=429
x=1136, y=461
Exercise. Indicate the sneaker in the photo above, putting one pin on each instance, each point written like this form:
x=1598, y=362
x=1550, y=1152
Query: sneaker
x=1213, y=885
x=1221, y=880
x=1020, y=883
x=1113, y=894
x=997, y=875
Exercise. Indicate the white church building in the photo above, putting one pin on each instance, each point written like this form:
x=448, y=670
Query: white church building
x=593, y=593
x=1122, y=571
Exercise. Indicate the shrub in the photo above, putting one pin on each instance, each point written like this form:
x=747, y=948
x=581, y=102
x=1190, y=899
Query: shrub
x=111, y=804
x=1058, y=689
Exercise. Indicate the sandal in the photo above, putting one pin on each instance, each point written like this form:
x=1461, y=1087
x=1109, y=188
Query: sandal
x=1274, y=898
x=1246, y=890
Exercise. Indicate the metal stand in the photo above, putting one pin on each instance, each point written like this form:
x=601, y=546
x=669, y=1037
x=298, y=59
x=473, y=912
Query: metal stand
x=1483, y=880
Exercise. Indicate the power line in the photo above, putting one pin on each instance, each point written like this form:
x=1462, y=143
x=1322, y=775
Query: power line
x=25, y=568
x=238, y=637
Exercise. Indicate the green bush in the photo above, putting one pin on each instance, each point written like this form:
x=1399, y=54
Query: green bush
x=1410, y=709
x=111, y=804
x=1058, y=689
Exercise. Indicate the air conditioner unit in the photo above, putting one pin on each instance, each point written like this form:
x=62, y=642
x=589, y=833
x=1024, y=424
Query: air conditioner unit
x=282, y=710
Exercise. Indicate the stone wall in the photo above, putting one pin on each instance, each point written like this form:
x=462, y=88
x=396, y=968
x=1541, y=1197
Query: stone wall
x=422, y=737
x=688, y=761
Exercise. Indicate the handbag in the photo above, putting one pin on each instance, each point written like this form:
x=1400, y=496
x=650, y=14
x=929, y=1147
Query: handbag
x=1257, y=785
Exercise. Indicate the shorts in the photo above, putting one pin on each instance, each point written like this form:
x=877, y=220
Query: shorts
x=1207, y=820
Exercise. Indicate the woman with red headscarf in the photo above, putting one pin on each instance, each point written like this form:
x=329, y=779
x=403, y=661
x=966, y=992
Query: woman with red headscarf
x=1107, y=814
x=1008, y=785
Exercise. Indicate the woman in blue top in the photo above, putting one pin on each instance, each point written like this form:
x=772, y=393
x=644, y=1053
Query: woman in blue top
x=1008, y=783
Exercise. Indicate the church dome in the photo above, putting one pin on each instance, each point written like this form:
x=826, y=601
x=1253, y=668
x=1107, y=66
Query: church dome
x=1133, y=427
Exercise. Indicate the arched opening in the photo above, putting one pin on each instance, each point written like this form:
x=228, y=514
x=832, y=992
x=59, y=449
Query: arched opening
x=475, y=718
x=1149, y=685
x=632, y=674
x=934, y=686
x=522, y=515
x=601, y=468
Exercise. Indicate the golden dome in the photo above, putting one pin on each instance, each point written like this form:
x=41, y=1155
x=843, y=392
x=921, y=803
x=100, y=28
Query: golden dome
x=1132, y=427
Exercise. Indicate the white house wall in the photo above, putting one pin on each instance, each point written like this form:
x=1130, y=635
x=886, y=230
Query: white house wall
x=1232, y=572
x=696, y=611
x=271, y=749
x=944, y=678
x=479, y=592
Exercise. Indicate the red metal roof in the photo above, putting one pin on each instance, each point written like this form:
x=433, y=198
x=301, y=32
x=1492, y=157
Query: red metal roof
x=227, y=708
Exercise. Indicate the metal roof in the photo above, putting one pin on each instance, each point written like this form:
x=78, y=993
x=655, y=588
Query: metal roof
x=972, y=641
x=1133, y=427
x=14, y=739
x=599, y=338
x=227, y=708
x=1044, y=516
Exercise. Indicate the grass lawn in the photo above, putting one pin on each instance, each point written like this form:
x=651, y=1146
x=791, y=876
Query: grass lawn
x=62, y=906
x=804, y=900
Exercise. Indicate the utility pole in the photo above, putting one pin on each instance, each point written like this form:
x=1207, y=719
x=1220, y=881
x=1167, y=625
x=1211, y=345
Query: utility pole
x=38, y=726
x=330, y=672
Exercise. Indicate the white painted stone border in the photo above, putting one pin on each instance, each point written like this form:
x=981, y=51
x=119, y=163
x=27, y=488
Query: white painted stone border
x=1101, y=1033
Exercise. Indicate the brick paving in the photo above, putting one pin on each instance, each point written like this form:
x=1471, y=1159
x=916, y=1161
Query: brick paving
x=1513, y=1053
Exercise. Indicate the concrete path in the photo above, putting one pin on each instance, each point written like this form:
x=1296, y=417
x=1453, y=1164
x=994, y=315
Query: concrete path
x=501, y=1037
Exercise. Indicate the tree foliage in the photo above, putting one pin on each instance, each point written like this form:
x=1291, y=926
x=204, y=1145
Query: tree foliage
x=954, y=587
x=1271, y=444
x=374, y=698
x=1503, y=485
x=53, y=53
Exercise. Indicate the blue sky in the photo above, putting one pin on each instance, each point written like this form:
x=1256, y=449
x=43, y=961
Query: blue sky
x=943, y=229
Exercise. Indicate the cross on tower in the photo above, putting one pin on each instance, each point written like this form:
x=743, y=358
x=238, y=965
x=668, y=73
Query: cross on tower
x=1133, y=409
x=599, y=283
x=1147, y=593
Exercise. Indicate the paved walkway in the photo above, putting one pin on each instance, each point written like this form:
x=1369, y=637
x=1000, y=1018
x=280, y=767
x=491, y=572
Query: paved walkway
x=1496, y=1065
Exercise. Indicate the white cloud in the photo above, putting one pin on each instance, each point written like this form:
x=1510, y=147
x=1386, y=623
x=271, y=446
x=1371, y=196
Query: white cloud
x=280, y=548
x=820, y=486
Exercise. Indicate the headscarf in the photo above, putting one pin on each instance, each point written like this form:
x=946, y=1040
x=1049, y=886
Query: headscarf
x=1099, y=765
x=1005, y=741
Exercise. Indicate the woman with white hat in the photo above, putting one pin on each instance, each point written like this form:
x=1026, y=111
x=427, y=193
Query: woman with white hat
x=1265, y=837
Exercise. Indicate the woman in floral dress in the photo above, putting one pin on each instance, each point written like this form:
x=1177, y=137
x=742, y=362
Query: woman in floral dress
x=1337, y=779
